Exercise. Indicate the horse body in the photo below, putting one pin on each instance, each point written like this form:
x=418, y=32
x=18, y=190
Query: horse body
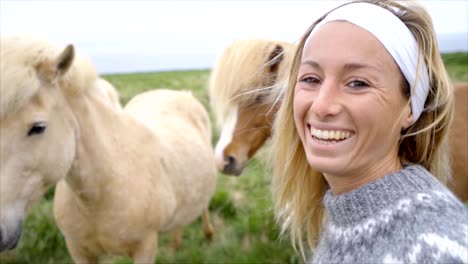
x=459, y=143
x=147, y=170
x=183, y=125
x=113, y=199
x=240, y=84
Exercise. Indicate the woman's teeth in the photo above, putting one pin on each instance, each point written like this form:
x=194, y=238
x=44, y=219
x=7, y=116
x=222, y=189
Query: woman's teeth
x=329, y=134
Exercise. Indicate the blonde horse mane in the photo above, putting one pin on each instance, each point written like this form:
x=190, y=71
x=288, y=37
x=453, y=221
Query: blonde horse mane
x=240, y=73
x=19, y=59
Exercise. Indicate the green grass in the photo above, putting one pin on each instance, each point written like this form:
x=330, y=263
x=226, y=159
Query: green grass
x=131, y=84
x=457, y=66
x=241, y=208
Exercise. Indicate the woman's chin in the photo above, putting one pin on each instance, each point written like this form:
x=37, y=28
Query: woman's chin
x=326, y=165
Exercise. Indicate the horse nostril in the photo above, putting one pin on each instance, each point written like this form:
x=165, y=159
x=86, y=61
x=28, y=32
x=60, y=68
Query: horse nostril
x=231, y=164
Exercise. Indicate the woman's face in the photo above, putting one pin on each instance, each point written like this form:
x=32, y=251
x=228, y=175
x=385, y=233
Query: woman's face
x=349, y=107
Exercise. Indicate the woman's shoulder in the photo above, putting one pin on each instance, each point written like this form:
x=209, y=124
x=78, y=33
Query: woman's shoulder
x=430, y=197
x=433, y=220
x=432, y=227
x=429, y=187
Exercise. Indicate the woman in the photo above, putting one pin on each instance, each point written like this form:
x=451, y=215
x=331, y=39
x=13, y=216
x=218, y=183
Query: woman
x=361, y=141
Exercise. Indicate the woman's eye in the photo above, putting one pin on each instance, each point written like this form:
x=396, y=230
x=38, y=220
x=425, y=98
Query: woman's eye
x=358, y=84
x=311, y=80
x=37, y=128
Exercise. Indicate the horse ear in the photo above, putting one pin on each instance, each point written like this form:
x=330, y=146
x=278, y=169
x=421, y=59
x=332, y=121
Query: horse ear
x=65, y=59
x=50, y=70
x=275, y=58
x=272, y=65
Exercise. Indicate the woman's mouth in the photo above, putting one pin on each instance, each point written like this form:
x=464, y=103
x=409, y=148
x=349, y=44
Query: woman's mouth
x=327, y=137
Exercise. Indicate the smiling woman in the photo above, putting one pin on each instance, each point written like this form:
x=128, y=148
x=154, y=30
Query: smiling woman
x=368, y=105
x=339, y=103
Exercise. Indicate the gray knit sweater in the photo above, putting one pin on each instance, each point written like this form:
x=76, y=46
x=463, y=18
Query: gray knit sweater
x=405, y=217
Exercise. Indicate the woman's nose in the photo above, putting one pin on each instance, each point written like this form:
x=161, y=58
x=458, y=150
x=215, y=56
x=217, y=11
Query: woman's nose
x=326, y=102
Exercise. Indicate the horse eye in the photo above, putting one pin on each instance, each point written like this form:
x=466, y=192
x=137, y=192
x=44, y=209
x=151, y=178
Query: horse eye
x=259, y=98
x=37, y=128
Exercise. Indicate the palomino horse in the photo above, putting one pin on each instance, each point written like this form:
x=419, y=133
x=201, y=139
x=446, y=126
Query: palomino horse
x=239, y=84
x=118, y=189
x=27, y=151
x=33, y=116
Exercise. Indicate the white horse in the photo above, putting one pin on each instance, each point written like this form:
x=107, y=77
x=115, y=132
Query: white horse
x=118, y=190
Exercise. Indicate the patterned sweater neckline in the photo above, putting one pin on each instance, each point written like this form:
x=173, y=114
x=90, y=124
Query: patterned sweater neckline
x=366, y=201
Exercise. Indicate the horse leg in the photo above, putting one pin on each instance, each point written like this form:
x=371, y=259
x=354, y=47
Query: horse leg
x=145, y=252
x=176, y=240
x=79, y=255
x=208, y=229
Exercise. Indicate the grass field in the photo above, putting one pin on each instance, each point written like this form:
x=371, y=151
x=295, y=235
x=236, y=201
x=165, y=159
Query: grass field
x=241, y=207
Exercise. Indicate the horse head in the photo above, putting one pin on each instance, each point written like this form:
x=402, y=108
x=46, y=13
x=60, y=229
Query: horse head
x=240, y=85
x=37, y=144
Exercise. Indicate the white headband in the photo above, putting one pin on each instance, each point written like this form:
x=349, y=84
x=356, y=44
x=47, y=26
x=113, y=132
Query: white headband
x=396, y=38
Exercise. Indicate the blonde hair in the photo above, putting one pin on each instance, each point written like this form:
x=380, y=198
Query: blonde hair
x=298, y=189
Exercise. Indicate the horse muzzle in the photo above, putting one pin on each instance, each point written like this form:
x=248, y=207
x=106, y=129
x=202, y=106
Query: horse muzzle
x=231, y=166
x=9, y=238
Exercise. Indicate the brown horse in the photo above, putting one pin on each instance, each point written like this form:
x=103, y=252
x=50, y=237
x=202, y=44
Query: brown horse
x=459, y=143
x=240, y=83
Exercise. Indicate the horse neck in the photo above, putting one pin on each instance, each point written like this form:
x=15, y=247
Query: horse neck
x=106, y=137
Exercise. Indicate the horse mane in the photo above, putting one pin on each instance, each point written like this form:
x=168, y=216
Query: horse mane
x=19, y=57
x=240, y=72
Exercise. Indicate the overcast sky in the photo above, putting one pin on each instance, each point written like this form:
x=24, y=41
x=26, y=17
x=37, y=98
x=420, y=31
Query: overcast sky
x=145, y=35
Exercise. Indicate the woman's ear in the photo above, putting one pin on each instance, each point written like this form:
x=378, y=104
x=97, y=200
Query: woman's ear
x=408, y=118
